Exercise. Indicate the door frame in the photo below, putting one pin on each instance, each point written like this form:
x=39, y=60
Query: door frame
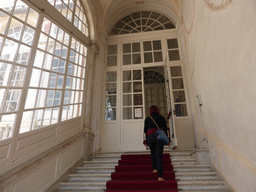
x=132, y=38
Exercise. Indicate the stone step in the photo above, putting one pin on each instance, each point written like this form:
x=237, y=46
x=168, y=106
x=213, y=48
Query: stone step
x=114, y=158
x=182, y=185
x=186, y=176
x=201, y=185
x=95, y=170
x=176, y=168
x=90, y=177
x=76, y=186
x=190, y=168
x=115, y=162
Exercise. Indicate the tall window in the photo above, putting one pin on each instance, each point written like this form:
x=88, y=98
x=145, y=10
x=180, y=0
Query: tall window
x=74, y=12
x=18, y=26
x=53, y=70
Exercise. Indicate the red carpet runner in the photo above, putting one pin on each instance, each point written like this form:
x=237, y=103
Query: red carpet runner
x=135, y=173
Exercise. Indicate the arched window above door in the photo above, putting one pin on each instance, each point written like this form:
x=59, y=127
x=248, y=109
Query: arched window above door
x=143, y=21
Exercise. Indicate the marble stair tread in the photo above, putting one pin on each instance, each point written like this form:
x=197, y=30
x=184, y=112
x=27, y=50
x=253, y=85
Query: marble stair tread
x=95, y=168
x=196, y=166
x=195, y=173
x=90, y=175
x=79, y=183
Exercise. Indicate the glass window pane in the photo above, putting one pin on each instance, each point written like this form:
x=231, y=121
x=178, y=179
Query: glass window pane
x=57, y=98
x=137, y=87
x=127, y=113
x=55, y=115
x=26, y=121
x=181, y=110
x=174, y=55
x=127, y=100
x=12, y=100
x=37, y=121
x=158, y=57
x=179, y=96
x=6, y=123
x=157, y=45
x=39, y=59
x=111, y=76
x=47, y=117
x=136, y=47
x=9, y=50
x=126, y=59
x=21, y=10
x=41, y=98
x=176, y=71
x=112, y=61
x=136, y=74
x=7, y=5
x=18, y=76
x=31, y=98
x=32, y=17
x=64, y=113
x=136, y=59
x=127, y=48
x=127, y=87
x=148, y=58
x=28, y=35
x=5, y=70
x=36, y=73
x=111, y=88
x=4, y=20
x=15, y=29
x=110, y=114
x=147, y=46
x=23, y=54
x=137, y=99
x=50, y=96
x=2, y=93
x=112, y=49
x=110, y=101
x=177, y=83
x=172, y=43
x=53, y=80
x=126, y=75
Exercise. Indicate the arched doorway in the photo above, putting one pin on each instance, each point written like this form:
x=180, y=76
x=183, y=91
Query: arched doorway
x=143, y=68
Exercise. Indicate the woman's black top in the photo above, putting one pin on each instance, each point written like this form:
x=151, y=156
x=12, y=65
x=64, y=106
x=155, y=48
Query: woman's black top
x=159, y=119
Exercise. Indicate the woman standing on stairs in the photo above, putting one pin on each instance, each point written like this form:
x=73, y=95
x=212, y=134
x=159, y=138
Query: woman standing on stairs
x=156, y=147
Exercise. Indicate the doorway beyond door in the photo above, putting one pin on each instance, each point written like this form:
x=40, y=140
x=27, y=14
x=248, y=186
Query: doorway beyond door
x=154, y=90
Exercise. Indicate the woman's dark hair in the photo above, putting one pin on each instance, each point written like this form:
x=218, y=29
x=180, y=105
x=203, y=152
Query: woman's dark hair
x=154, y=109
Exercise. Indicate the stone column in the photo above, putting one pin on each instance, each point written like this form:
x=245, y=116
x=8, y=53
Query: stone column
x=90, y=75
x=94, y=51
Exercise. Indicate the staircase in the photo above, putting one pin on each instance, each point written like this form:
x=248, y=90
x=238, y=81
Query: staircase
x=190, y=176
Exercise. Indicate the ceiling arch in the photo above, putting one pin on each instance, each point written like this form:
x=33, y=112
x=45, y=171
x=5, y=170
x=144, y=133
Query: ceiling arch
x=118, y=11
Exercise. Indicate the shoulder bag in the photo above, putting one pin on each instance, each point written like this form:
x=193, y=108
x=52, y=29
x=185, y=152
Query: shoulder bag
x=161, y=135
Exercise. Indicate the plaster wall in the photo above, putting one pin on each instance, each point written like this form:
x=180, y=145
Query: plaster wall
x=218, y=47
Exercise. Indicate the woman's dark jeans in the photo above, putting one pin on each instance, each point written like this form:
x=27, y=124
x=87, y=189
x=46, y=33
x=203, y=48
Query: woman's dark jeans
x=156, y=149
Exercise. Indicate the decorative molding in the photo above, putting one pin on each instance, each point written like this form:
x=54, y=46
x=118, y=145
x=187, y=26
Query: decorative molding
x=220, y=7
x=188, y=31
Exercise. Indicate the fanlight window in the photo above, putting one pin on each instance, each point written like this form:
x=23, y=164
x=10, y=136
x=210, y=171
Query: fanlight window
x=142, y=22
